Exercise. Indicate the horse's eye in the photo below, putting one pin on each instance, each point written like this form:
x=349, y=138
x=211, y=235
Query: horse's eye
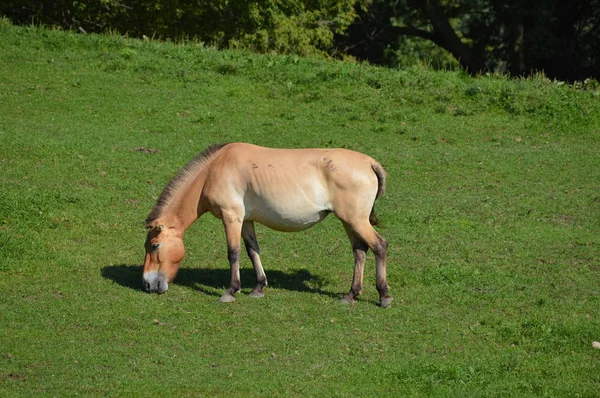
x=155, y=246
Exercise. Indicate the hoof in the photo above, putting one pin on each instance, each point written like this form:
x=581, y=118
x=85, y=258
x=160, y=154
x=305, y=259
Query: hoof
x=227, y=298
x=386, y=301
x=347, y=300
x=255, y=294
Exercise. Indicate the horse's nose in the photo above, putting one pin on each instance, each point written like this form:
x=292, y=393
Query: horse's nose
x=149, y=282
x=161, y=286
x=155, y=282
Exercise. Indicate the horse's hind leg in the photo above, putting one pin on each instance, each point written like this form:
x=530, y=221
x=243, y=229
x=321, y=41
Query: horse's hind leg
x=360, y=253
x=378, y=246
x=381, y=271
x=251, y=244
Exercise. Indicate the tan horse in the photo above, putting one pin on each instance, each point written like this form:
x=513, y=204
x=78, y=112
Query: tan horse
x=284, y=189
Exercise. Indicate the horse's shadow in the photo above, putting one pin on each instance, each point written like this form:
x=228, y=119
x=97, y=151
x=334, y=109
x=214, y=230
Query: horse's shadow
x=200, y=278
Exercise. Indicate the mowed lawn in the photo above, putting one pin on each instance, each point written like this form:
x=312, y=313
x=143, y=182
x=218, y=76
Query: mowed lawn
x=492, y=212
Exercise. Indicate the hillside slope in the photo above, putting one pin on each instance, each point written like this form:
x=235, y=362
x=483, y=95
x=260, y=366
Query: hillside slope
x=492, y=212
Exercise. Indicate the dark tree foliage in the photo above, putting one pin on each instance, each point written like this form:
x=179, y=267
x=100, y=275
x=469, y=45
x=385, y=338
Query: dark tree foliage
x=560, y=38
x=285, y=26
x=520, y=37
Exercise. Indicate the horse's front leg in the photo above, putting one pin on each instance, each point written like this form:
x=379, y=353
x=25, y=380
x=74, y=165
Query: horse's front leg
x=251, y=244
x=233, y=228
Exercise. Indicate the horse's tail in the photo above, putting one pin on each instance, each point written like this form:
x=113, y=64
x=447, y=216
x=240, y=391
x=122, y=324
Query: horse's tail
x=381, y=180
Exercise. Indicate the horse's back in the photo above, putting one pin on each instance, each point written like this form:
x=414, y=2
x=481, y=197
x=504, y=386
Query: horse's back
x=345, y=162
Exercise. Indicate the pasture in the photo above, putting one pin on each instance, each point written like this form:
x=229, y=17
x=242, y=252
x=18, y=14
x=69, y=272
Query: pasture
x=492, y=212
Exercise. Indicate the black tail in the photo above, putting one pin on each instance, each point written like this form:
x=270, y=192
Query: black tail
x=381, y=180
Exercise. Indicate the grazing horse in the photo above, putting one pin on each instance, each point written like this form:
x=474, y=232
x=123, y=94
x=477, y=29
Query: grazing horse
x=283, y=189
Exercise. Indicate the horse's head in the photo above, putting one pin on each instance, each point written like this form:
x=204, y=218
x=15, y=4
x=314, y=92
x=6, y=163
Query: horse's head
x=164, y=252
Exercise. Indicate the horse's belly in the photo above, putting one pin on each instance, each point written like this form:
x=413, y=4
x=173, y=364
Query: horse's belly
x=289, y=214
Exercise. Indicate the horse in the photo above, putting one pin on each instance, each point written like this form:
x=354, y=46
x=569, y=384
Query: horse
x=286, y=190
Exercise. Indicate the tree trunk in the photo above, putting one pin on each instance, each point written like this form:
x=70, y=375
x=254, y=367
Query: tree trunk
x=448, y=38
x=517, y=54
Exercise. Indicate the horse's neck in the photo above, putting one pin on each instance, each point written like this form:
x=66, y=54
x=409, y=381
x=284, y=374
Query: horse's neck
x=185, y=209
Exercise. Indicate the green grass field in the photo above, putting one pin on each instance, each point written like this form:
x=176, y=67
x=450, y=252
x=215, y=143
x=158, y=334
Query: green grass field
x=492, y=213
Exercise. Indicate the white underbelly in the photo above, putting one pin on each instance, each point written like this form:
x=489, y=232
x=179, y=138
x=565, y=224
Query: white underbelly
x=288, y=212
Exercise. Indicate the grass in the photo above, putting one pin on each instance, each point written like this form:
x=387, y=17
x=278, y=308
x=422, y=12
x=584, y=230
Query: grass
x=492, y=213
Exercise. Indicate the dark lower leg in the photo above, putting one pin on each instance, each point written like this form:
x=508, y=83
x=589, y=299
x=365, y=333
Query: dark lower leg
x=261, y=278
x=360, y=253
x=254, y=253
x=380, y=251
x=233, y=255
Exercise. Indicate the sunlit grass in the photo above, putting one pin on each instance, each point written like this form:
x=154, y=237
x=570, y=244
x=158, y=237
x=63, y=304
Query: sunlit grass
x=492, y=213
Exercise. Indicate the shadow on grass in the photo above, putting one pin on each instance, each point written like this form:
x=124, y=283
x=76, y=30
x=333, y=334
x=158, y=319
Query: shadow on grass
x=198, y=278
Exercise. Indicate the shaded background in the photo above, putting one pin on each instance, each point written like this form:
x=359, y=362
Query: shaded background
x=559, y=38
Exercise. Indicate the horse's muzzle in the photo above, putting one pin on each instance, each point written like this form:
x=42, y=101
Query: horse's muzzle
x=155, y=282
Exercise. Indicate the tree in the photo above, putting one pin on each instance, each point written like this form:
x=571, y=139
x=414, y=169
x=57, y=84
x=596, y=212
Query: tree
x=561, y=38
x=379, y=26
x=284, y=26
